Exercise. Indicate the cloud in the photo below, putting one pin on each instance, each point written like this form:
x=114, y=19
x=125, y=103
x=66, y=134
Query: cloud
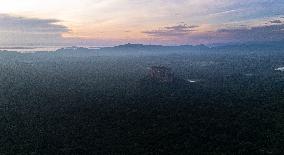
x=172, y=31
x=276, y=21
x=258, y=33
x=21, y=30
x=225, y=35
x=241, y=35
x=181, y=28
x=112, y=17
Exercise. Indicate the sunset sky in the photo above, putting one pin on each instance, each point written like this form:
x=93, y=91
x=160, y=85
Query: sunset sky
x=113, y=22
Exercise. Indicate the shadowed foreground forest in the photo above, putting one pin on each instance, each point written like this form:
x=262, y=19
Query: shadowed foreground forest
x=82, y=101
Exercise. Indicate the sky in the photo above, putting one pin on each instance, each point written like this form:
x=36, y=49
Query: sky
x=113, y=22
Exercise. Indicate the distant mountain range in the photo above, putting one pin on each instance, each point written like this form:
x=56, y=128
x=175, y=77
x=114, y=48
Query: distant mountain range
x=272, y=45
x=254, y=45
x=151, y=47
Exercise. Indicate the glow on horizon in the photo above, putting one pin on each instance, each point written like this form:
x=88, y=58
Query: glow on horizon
x=126, y=20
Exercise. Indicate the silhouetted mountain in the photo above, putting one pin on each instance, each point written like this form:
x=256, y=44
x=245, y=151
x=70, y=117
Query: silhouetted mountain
x=160, y=49
x=271, y=45
x=154, y=47
x=74, y=51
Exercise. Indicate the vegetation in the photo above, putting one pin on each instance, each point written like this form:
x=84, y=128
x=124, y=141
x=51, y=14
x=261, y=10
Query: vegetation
x=103, y=102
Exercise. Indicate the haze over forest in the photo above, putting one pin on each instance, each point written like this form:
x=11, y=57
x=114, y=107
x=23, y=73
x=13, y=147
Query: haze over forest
x=141, y=77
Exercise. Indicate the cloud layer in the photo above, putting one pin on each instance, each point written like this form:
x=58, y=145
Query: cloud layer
x=172, y=31
x=20, y=30
x=187, y=35
x=258, y=33
x=276, y=21
x=144, y=21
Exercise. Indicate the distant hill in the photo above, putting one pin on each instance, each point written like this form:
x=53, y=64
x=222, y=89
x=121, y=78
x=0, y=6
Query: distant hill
x=271, y=45
x=72, y=49
x=154, y=47
x=141, y=49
